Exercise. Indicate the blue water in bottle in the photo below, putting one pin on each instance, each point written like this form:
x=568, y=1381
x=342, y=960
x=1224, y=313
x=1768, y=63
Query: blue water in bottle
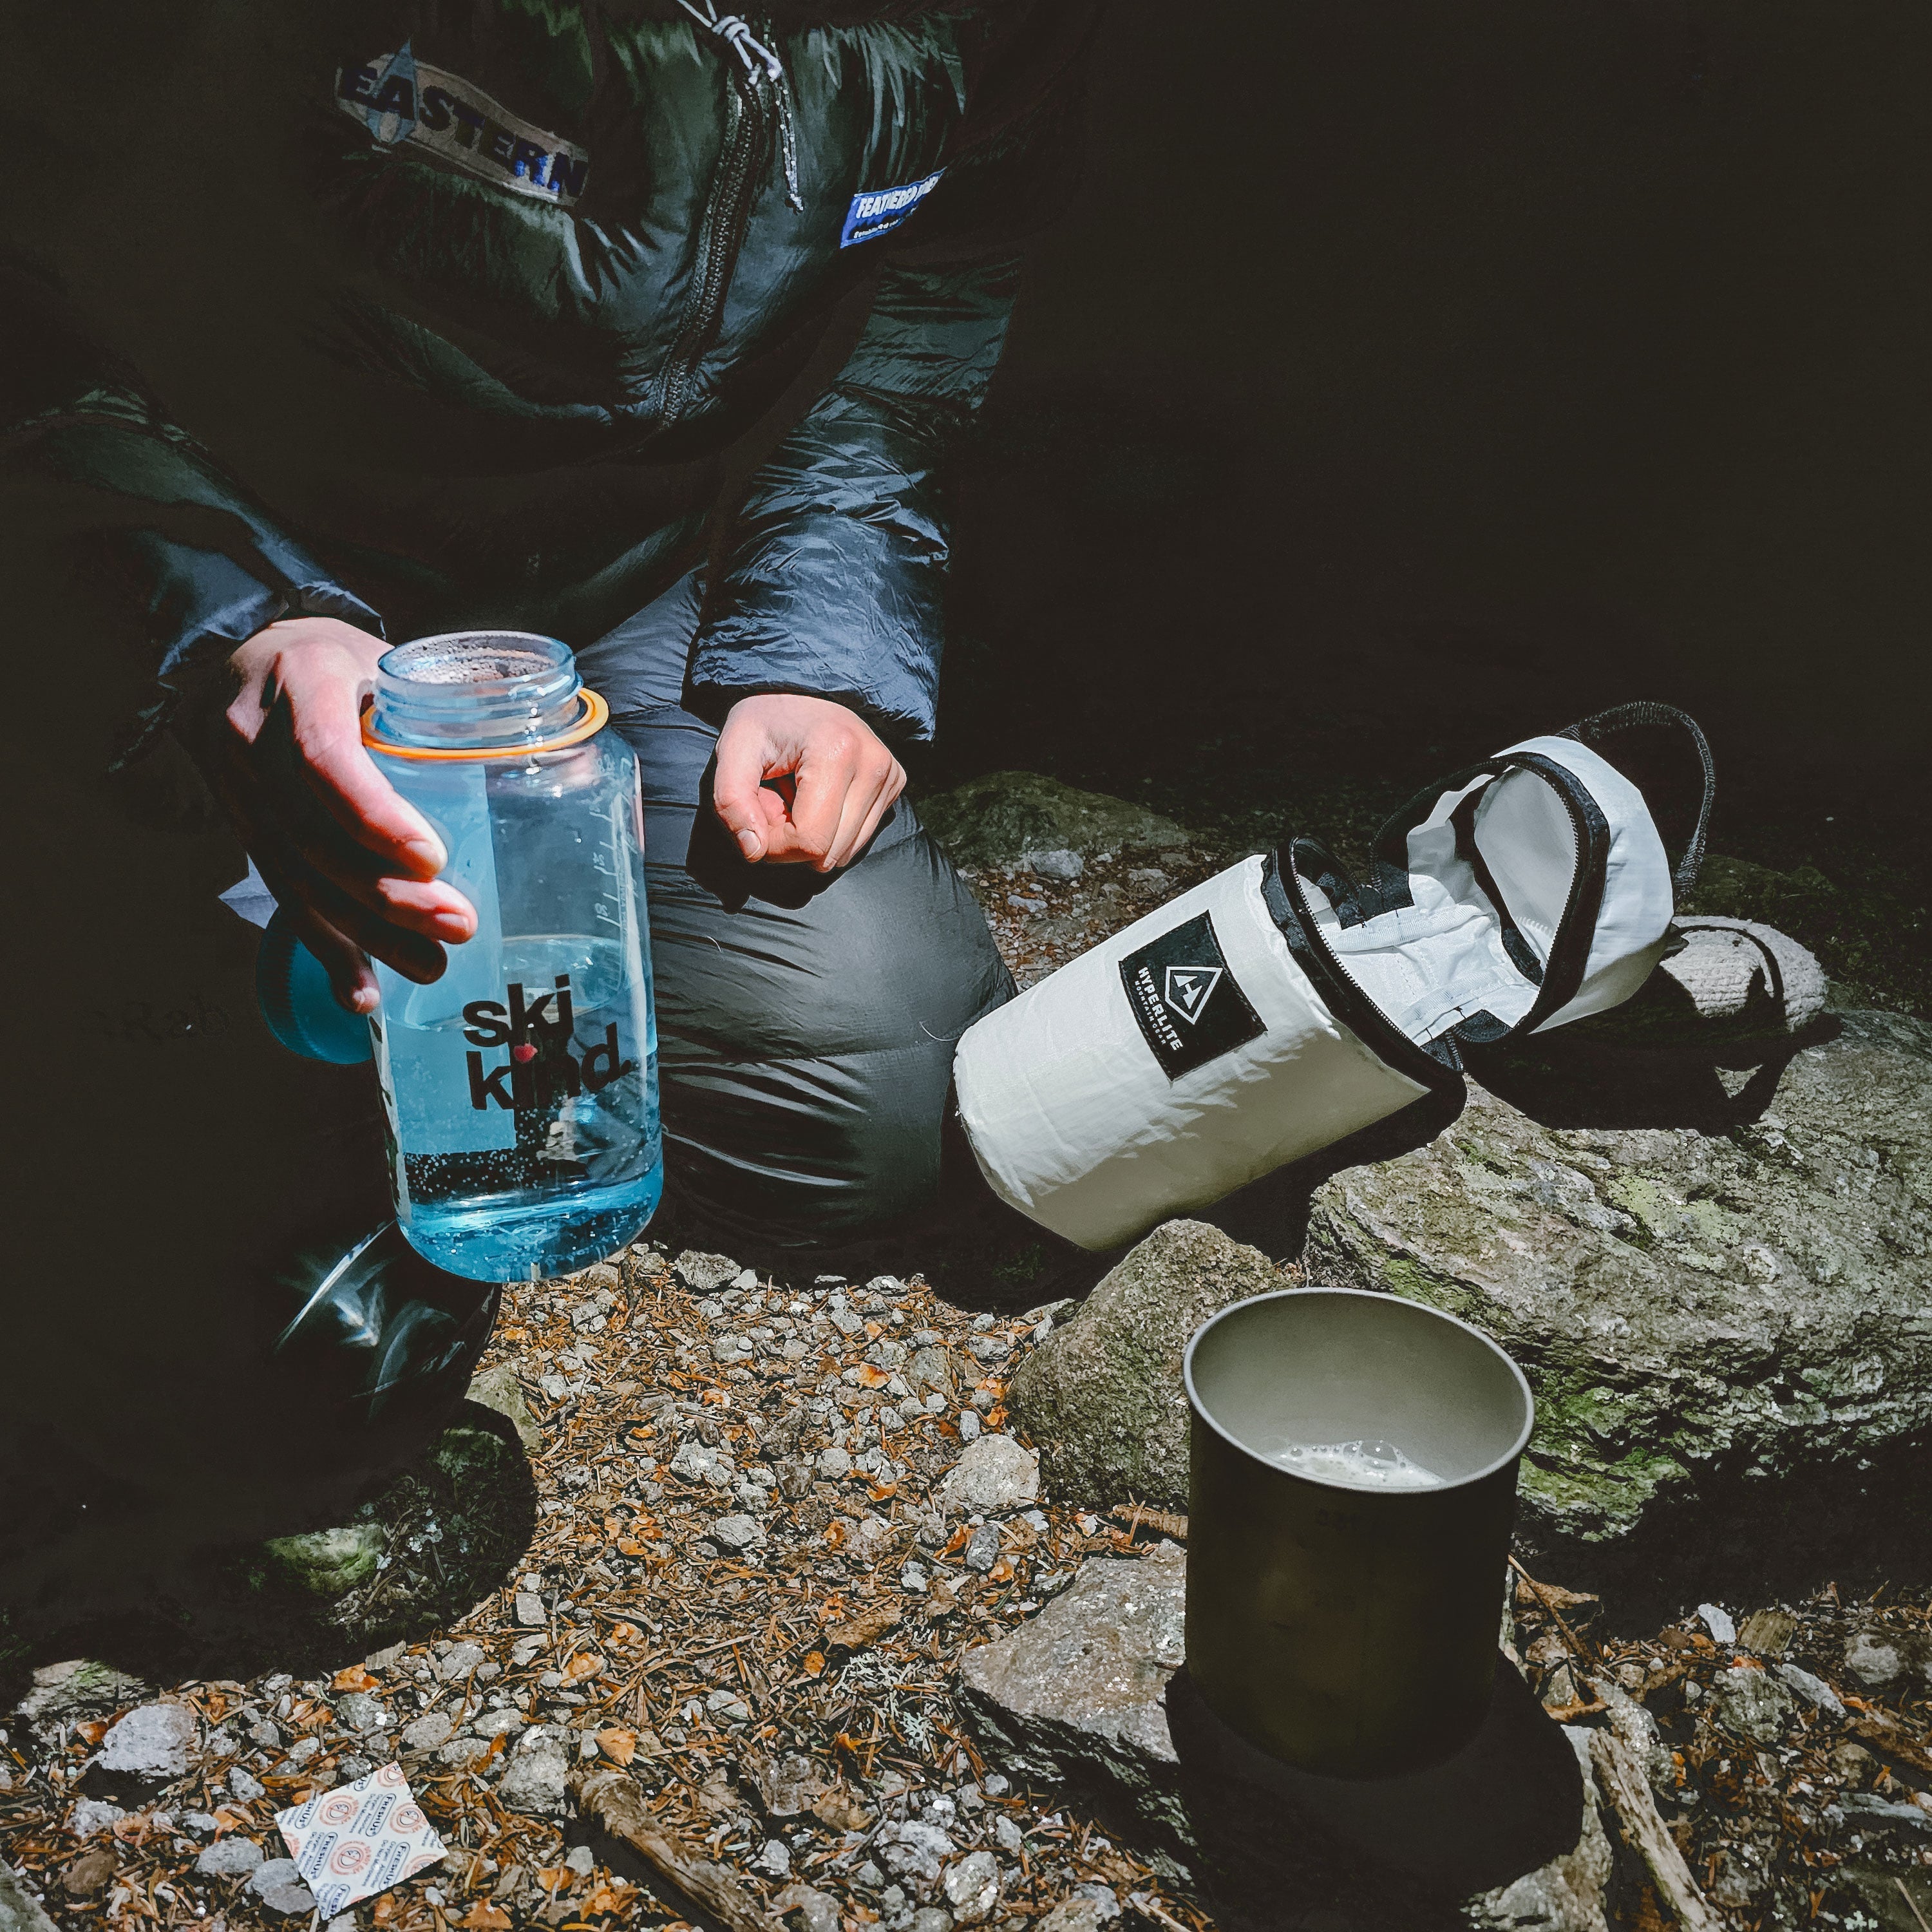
x=520, y=1089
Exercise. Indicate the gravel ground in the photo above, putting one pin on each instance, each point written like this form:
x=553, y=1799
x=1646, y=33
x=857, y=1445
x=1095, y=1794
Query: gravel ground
x=1042, y=918
x=1790, y=1750
x=748, y=1583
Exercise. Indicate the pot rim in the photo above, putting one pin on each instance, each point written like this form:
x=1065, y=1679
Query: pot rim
x=1502, y=1462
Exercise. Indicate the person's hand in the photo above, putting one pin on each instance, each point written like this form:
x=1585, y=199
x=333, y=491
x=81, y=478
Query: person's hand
x=802, y=780
x=350, y=862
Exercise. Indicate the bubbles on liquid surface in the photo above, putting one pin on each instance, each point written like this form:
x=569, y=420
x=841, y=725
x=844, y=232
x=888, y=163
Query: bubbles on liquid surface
x=473, y=657
x=1361, y=1465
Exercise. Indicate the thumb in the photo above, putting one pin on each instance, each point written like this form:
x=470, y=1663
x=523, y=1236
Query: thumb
x=734, y=787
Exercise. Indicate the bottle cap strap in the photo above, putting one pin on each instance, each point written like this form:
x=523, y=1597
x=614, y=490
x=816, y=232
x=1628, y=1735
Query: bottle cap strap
x=595, y=715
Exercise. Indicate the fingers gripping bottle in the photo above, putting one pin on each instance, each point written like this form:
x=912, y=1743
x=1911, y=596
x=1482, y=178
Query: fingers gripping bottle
x=520, y=1089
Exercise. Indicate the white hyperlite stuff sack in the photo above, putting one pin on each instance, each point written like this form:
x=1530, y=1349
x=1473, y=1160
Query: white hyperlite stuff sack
x=1282, y=1006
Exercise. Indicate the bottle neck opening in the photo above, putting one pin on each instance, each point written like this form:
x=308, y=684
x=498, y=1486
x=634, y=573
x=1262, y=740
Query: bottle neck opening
x=472, y=688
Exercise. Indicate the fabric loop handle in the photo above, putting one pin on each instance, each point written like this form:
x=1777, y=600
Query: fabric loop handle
x=1622, y=718
x=594, y=715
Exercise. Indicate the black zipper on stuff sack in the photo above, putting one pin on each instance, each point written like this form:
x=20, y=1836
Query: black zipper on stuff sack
x=1558, y=978
x=1438, y=1066
x=1577, y=930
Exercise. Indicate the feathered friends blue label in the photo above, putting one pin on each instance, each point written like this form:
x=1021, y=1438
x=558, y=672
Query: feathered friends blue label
x=879, y=211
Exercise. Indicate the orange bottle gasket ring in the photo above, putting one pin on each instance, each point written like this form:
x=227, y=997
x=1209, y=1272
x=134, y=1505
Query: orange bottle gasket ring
x=594, y=715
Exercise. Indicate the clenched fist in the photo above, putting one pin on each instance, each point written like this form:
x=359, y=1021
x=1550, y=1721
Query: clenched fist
x=803, y=781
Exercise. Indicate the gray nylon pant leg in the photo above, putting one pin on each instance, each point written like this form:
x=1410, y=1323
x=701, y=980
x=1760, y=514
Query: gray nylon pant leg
x=805, y=1024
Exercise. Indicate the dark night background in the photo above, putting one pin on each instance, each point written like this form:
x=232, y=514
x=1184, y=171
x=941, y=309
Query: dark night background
x=1403, y=379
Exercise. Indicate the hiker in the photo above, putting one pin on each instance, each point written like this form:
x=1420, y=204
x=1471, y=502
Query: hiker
x=642, y=326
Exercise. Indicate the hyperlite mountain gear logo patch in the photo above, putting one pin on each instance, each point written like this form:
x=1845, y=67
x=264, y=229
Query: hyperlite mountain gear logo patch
x=880, y=211
x=1190, y=1008
x=1185, y=989
x=399, y=98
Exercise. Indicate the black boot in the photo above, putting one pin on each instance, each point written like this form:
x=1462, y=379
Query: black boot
x=376, y=1347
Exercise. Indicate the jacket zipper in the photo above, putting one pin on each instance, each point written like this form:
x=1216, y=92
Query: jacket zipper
x=727, y=214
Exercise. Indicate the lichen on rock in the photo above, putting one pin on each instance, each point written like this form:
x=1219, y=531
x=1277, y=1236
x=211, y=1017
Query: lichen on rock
x=1701, y=1310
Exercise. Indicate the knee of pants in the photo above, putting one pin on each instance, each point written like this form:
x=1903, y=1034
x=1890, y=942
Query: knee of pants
x=806, y=1047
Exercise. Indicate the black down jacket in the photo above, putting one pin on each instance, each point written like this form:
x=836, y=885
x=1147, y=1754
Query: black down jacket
x=434, y=314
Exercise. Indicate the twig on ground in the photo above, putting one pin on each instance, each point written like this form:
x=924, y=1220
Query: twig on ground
x=617, y=1801
x=1143, y=1516
x=1628, y=1791
x=1548, y=1602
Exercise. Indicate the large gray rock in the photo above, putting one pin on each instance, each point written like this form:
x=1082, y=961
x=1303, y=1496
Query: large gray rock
x=1076, y=1694
x=998, y=819
x=1707, y=1314
x=1079, y=1696
x=1102, y=1397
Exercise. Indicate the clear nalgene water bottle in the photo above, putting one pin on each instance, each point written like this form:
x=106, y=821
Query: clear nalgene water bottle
x=521, y=1088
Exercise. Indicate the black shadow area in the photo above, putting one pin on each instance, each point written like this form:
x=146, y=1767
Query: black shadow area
x=1579, y=1079
x=453, y=1521
x=1278, y=1845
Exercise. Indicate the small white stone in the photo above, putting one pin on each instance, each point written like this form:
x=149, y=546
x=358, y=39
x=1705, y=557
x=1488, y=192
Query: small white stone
x=972, y=1887
x=152, y=1743
x=229, y=1858
x=279, y=1885
x=1718, y=1623
x=737, y=1532
x=93, y=1814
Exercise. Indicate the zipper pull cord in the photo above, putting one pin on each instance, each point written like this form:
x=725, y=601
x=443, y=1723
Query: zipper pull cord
x=787, y=141
x=761, y=65
x=737, y=33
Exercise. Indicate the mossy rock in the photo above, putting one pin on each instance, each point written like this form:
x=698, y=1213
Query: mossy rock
x=326, y=1563
x=1102, y=1398
x=1718, y=1282
x=996, y=820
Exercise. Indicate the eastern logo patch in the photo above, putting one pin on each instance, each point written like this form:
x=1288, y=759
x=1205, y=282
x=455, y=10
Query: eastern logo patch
x=879, y=211
x=1189, y=1007
x=399, y=98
